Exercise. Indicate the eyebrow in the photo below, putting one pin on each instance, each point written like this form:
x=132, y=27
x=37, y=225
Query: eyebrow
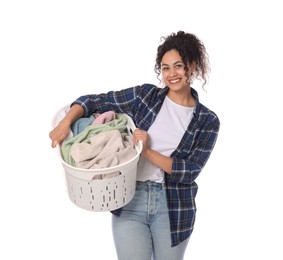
x=179, y=61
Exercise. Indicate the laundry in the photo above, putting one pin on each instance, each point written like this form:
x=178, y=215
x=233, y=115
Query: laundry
x=119, y=124
x=103, y=118
x=103, y=150
x=81, y=124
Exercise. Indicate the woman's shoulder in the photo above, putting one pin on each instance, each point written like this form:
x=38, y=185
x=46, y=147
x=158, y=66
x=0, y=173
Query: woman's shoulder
x=148, y=89
x=207, y=114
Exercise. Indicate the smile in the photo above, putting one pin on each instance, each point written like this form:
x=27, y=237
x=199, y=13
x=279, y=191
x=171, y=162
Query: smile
x=174, y=81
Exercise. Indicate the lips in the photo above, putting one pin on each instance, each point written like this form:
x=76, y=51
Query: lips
x=174, y=81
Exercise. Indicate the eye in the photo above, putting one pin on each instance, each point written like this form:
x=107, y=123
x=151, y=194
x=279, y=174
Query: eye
x=165, y=68
x=179, y=66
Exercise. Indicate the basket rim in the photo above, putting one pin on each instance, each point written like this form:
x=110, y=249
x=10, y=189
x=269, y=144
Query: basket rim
x=102, y=170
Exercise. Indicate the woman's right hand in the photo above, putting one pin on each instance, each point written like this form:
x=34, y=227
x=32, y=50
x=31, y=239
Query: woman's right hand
x=59, y=133
x=62, y=130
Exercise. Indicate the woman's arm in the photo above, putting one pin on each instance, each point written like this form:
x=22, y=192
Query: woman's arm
x=187, y=167
x=118, y=101
x=61, y=131
x=182, y=170
x=161, y=161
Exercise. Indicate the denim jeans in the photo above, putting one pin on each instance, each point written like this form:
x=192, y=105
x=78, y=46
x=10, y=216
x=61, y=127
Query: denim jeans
x=142, y=231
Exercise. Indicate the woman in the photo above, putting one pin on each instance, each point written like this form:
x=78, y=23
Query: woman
x=178, y=135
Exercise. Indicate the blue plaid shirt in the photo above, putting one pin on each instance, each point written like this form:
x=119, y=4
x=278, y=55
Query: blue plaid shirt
x=142, y=104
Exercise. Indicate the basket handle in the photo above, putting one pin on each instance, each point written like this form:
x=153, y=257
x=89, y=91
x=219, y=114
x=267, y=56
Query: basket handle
x=106, y=175
x=131, y=128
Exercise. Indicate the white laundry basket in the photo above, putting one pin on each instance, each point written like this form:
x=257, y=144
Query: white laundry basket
x=103, y=194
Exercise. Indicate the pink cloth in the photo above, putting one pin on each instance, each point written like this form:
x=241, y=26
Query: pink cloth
x=104, y=118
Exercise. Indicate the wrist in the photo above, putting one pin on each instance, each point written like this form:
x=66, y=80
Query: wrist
x=146, y=152
x=66, y=122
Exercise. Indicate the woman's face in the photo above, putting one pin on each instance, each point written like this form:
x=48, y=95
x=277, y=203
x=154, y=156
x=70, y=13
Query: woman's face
x=173, y=71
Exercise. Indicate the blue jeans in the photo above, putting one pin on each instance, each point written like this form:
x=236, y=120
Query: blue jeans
x=142, y=231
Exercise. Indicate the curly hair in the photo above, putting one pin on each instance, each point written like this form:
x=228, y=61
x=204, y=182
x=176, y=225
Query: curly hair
x=191, y=50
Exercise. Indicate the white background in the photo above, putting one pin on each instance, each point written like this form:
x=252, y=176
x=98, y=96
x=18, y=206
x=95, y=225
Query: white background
x=51, y=52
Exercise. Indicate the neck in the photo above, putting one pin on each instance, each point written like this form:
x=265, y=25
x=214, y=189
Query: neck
x=183, y=98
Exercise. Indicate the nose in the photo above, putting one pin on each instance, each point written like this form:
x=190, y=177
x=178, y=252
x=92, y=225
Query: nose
x=172, y=72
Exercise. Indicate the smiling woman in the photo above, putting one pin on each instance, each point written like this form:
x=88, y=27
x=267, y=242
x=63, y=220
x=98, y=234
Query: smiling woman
x=192, y=56
x=178, y=135
x=177, y=78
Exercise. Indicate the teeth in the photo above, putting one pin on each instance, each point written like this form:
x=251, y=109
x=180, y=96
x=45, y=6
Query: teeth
x=174, y=81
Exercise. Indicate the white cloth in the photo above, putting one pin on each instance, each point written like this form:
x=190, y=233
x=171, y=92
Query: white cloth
x=164, y=136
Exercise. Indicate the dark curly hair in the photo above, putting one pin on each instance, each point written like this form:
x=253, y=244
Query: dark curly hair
x=191, y=50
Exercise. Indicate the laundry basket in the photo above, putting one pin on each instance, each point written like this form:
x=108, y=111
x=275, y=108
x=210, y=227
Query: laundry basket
x=88, y=191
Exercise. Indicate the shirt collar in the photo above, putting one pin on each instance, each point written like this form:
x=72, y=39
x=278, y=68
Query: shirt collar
x=164, y=91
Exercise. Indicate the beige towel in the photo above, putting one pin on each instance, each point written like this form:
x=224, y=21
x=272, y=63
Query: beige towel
x=103, y=150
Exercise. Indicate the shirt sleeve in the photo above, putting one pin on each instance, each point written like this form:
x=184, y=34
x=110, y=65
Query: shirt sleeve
x=123, y=101
x=186, y=170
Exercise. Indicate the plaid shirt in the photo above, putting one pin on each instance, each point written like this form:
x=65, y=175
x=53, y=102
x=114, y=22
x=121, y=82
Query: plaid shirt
x=142, y=104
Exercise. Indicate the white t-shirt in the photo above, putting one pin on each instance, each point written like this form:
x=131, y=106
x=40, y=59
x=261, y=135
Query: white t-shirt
x=165, y=135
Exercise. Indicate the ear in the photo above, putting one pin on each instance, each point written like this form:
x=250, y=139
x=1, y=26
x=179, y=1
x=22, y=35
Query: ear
x=193, y=67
